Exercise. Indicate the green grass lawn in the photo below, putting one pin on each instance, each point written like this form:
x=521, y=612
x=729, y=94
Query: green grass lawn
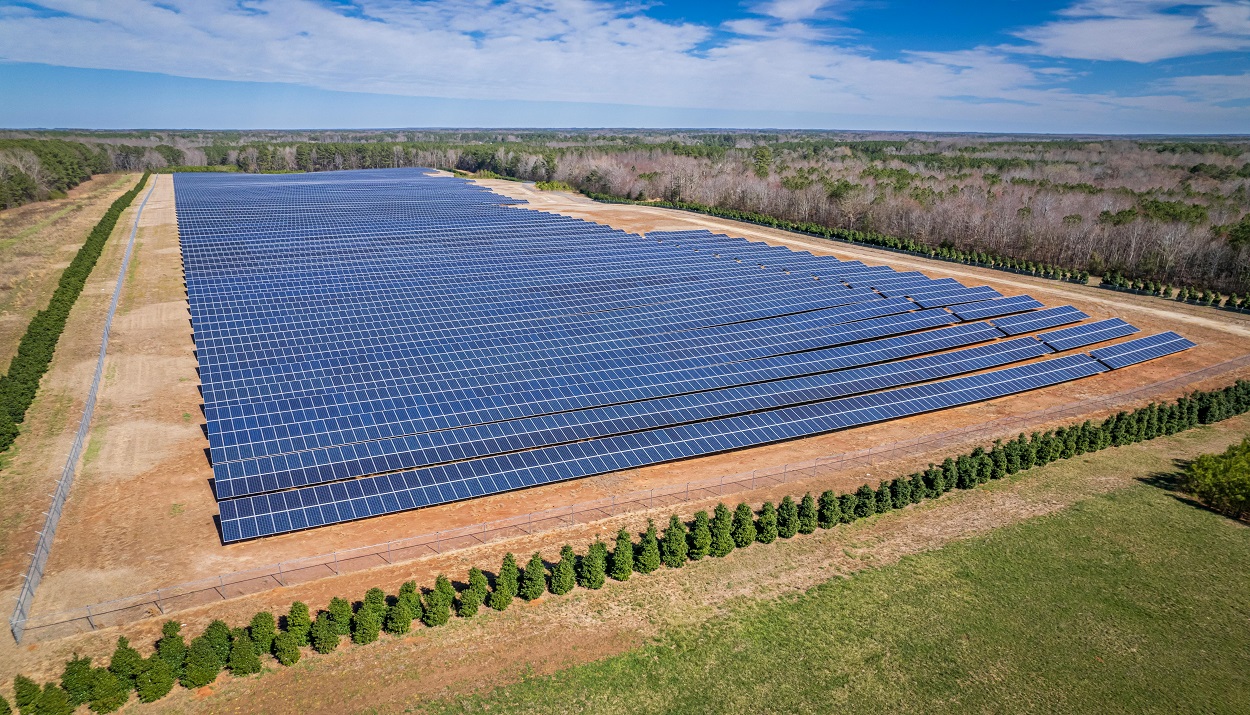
x=1131, y=602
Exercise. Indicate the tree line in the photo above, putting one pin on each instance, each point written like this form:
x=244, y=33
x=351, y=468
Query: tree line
x=34, y=352
x=288, y=637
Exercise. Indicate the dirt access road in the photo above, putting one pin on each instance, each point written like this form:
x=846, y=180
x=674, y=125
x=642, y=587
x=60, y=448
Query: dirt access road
x=141, y=514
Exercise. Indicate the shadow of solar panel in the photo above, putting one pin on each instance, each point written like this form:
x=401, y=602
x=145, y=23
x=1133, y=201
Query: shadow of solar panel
x=1142, y=349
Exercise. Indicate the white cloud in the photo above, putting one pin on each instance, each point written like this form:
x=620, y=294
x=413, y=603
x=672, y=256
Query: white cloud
x=575, y=51
x=1141, y=31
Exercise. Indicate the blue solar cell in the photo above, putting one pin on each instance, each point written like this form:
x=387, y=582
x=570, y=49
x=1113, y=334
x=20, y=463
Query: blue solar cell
x=1142, y=349
x=1039, y=320
x=1081, y=335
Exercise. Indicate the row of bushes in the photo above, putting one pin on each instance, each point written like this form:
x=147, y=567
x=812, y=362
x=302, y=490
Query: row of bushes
x=1185, y=294
x=1222, y=480
x=870, y=238
x=34, y=352
x=237, y=650
x=554, y=186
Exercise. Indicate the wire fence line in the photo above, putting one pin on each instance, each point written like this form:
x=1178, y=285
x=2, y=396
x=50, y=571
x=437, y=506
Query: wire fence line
x=39, y=559
x=288, y=573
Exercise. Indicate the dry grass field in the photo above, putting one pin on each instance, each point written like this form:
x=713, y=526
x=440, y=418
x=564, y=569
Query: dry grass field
x=141, y=512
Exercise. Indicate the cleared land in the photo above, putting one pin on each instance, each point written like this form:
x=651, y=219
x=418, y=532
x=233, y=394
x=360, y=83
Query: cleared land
x=141, y=515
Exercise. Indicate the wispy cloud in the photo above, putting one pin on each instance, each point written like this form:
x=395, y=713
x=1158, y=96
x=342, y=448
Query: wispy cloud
x=778, y=59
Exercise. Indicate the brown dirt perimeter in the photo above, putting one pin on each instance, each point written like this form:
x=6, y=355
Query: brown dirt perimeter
x=141, y=513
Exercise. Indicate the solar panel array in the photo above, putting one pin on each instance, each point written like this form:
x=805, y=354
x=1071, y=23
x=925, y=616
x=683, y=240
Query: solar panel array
x=376, y=341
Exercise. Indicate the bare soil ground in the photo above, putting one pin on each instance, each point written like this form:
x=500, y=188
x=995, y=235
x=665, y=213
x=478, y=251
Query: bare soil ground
x=37, y=241
x=141, y=513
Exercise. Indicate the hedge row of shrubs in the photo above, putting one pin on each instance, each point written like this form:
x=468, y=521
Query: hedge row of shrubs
x=219, y=647
x=870, y=238
x=1185, y=294
x=34, y=352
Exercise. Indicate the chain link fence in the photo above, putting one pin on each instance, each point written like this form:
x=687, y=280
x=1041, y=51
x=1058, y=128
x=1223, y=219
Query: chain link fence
x=288, y=573
x=39, y=559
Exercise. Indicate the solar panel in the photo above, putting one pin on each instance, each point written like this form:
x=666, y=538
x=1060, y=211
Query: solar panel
x=1089, y=334
x=995, y=307
x=1142, y=349
x=1039, y=320
x=375, y=341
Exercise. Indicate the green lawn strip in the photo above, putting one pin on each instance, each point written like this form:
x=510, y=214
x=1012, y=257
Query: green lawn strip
x=1131, y=602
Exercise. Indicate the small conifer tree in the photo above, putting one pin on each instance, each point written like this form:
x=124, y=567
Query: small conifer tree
x=203, y=663
x=900, y=492
x=849, y=504
x=918, y=490
x=438, y=602
x=787, y=518
x=77, y=679
x=375, y=598
x=366, y=625
x=171, y=647
x=827, y=511
x=25, y=694
x=674, y=547
x=243, y=659
x=564, y=573
x=108, y=692
x=340, y=615
x=262, y=630
x=298, y=621
x=155, y=680
x=125, y=663
x=700, y=537
x=866, y=501
x=286, y=648
x=534, y=578
x=506, y=583
x=743, y=530
x=722, y=531
x=53, y=700
x=885, y=501
x=478, y=581
x=468, y=603
x=592, y=568
x=398, y=620
x=807, y=514
x=218, y=635
x=647, y=559
x=766, y=527
x=622, y=561
x=324, y=634
x=5, y=708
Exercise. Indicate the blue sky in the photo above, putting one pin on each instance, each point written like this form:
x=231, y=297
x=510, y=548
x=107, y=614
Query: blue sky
x=1089, y=66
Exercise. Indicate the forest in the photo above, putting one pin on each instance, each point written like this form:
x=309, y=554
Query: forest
x=1169, y=209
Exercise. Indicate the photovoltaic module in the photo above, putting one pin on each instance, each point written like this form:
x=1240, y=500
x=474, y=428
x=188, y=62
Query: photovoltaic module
x=376, y=341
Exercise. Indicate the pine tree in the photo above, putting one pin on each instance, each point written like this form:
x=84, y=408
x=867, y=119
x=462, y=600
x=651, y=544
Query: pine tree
x=506, y=584
x=741, y=528
x=787, y=518
x=918, y=489
x=411, y=599
x=849, y=507
x=722, y=531
x=5, y=709
x=298, y=622
x=478, y=582
x=900, y=492
x=807, y=514
x=262, y=630
x=592, y=567
x=218, y=635
x=700, y=537
x=621, y=562
x=286, y=648
x=534, y=579
x=828, y=514
x=648, y=557
x=933, y=480
x=674, y=547
x=967, y=478
x=366, y=625
x=999, y=458
x=437, y=603
x=866, y=501
x=766, y=525
x=340, y=614
x=243, y=659
x=77, y=679
x=564, y=573
x=397, y=622
x=375, y=598
x=125, y=663
x=324, y=634
x=171, y=648
x=155, y=680
x=885, y=502
x=25, y=694
x=950, y=474
x=53, y=700
x=203, y=663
